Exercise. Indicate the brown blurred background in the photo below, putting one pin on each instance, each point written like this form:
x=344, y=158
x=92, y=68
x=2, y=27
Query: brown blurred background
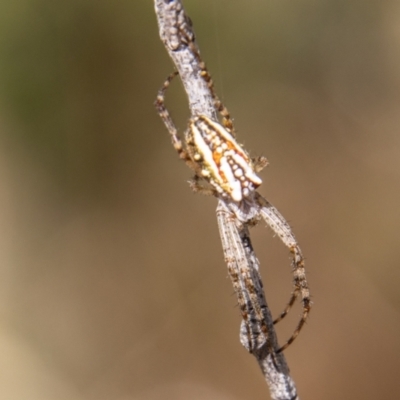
x=113, y=285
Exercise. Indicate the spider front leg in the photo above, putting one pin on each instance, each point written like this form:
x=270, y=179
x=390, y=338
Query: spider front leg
x=278, y=224
x=166, y=118
x=259, y=163
x=198, y=185
x=227, y=121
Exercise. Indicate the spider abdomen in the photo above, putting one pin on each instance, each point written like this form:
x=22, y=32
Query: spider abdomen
x=223, y=162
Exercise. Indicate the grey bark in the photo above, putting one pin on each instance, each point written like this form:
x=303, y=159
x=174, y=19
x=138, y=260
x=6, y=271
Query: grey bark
x=175, y=27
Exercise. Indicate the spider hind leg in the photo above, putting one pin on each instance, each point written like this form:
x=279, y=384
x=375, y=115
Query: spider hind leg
x=278, y=224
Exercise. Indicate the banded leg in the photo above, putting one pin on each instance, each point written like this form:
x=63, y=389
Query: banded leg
x=243, y=270
x=289, y=305
x=198, y=185
x=166, y=118
x=250, y=336
x=259, y=163
x=226, y=117
x=278, y=224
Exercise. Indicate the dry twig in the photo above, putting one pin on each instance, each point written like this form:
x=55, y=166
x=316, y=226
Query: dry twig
x=240, y=206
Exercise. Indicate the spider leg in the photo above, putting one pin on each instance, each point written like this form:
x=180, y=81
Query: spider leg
x=235, y=258
x=243, y=270
x=169, y=123
x=259, y=163
x=248, y=339
x=198, y=186
x=288, y=306
x=166, y=118
x=278, y=224
x=226, y=117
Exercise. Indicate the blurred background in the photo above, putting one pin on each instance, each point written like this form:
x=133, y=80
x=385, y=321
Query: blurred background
x=112, y=279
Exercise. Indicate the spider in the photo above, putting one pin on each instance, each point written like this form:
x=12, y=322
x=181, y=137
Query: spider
x=224, y=169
